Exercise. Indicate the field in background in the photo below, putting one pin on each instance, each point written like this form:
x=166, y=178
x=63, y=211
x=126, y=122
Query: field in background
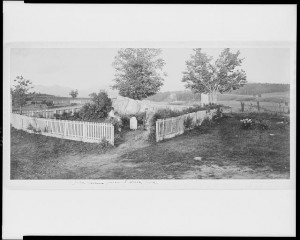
x=271, y=102
x=276, y=97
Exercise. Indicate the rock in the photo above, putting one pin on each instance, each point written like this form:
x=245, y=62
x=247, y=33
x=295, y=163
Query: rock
x=198, y=158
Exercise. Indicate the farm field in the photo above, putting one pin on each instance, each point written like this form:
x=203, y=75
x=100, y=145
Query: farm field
x=220, y=151
x=270, y=102
x=37, y=107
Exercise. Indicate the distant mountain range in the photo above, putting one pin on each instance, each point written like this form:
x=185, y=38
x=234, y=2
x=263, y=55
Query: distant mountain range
x=62, y=91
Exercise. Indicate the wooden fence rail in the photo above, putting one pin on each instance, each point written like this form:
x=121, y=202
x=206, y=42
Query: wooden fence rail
x=73, y=130
x=171, y=127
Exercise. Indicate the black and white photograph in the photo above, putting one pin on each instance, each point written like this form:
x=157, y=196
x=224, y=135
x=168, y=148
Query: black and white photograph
x=149, y=119
x=150, y=113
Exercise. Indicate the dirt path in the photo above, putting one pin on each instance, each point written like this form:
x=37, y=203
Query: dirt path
x=94, y=166
x=114, y=163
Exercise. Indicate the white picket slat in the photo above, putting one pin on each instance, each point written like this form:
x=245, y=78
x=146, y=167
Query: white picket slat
x=171, y=127
x=80, y=131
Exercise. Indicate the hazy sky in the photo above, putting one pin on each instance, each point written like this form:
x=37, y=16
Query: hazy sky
x=92, y=68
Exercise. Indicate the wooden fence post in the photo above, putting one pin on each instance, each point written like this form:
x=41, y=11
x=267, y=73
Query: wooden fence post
x=156, y=129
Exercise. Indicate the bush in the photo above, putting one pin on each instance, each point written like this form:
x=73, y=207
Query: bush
x=48, y=103
x=65, y=116
x=188, y=123
x=206, y=122
x=116, y=123
x=30, y=127
x=37, y=130
x=56, y=116
x=105, y=144
x=246, y=123
x=125, y=121
x=263, y=124
x=99, y=108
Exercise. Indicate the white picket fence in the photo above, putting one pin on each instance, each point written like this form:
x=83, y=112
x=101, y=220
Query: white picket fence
x=171, y=127
x=73, y=130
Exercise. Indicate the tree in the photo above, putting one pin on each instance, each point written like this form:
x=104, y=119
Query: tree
x=99, y=108
x=74, y=93
x=21, y=91
x=203, y=76
x=138, y=72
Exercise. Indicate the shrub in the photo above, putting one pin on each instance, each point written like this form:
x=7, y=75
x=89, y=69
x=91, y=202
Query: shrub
x=198, y=122
x=56, y=115
x=205, y=126
x=105, y=144
x=263, y=124
x=188, y=123
x=99, y=108
x=48, y=103
x=65, y=116
x=30, y=127
x=206, y=122
x=37, y=130
x=140, y=117
x=246, y=123
x=125, y=121
x=116, y=123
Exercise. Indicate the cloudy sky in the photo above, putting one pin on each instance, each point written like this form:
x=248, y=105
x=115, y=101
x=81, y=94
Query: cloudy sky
x=88, y=69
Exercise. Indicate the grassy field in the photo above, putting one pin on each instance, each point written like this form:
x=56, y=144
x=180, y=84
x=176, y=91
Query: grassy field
x=226, y=151
x=275, y=97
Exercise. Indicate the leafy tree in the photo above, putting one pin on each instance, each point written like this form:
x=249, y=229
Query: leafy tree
x=20, y=92
x=74, y=93
x=138, y=72
x=99, y=108
x=204, y=76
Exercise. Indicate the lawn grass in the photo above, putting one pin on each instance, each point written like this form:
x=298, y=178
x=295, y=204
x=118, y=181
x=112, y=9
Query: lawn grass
x=34, y=155
x=223, y=145
x=226, y=151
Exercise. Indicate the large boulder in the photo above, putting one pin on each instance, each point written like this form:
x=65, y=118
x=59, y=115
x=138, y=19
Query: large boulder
x=126, y=105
